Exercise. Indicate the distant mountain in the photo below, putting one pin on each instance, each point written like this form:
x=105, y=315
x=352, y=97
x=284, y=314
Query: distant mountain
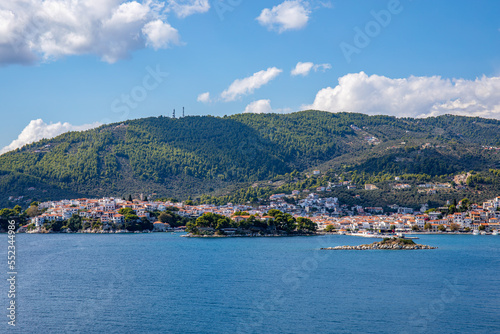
x=192, y=156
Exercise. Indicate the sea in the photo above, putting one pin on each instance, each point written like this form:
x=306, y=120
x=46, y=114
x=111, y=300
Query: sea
x=165, y=283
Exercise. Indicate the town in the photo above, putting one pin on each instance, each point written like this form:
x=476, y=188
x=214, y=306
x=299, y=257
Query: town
x=108, y=215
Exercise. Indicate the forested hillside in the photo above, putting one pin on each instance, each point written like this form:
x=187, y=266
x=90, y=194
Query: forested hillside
x=192, y=156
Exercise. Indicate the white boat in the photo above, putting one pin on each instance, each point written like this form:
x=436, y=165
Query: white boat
x=367, y=235
x=475, y=232
x=495, y=232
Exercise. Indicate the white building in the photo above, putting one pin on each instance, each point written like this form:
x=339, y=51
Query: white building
x=160, y=227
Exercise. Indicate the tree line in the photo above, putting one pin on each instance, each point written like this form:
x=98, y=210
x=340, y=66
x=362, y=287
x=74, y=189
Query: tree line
x=280, y=223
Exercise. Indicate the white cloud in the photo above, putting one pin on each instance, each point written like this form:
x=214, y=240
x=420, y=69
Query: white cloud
x=38, y=129
x=326, y=4
x=411, y=97
x=259, y=107
x=205, y=97
x=302, y=68
x=183, y=8
x=305, y=68
x=264, y=107
x=160, y=35
x=32, y=30
x=289, y=15
x=250, y=84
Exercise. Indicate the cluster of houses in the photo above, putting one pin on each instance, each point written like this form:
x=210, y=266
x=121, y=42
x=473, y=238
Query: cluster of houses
x=485, y=217
x=322, y=210
x=106, y=210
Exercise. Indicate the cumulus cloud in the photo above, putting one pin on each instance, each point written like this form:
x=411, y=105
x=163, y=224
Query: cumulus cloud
x=183, y=8
x=33, y=30
x=250, y=84
x=305, y=68
x=289, y=15
x=264, y=107
x=205, y=97
x=259, y=107
x=38, y=129
x=412, y=97
x=160, y=35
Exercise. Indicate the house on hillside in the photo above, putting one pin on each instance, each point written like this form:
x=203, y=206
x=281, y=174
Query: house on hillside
x=160, y=227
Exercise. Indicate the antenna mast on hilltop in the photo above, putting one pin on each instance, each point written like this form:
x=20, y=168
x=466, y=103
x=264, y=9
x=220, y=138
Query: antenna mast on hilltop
x=182, y=112
x=173, y=114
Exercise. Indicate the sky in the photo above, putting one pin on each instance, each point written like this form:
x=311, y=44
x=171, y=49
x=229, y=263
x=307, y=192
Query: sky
x=70, y=65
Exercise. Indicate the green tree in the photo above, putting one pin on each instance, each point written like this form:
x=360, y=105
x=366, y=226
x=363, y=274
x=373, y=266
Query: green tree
x=192, y=228
x=165, y=217
x=330, y=228
x=213, y=220
x=274, y=213
x=465, y=203
x=306, y=224
x=284, y=221
x=74, y=223
x=126, y=211
x=86, y=224
x=428, y=226
x=7, y=213
x=442, y=228
x=55, y=226
x=241, y=213
x=96, y=225
x=131, y=218
x=33, y=211
x=17, y=210
x=145, y=224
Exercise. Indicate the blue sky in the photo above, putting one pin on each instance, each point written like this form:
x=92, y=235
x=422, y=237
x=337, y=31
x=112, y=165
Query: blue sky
x=71, y=66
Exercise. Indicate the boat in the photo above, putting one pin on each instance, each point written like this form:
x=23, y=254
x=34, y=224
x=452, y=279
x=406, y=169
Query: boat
x=368, y=235
x=403, y=236
x=475, y=232
x=495, y=232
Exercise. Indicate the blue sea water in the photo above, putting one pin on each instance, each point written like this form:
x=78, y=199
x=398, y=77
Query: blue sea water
x=162, y=283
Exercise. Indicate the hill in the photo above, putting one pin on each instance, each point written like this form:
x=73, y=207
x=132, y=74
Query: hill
x=195, y=156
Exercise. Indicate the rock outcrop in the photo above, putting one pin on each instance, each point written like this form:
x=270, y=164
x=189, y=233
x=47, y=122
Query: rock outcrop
x=388, y=244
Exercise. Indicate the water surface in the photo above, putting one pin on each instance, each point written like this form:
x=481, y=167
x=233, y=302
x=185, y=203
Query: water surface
x=162, y=283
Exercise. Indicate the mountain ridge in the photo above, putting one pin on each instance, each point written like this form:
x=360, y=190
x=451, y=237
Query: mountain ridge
x=198, y=155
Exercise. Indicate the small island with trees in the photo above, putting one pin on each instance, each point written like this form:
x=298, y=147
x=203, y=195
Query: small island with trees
x=385, y=244
x=242, y=224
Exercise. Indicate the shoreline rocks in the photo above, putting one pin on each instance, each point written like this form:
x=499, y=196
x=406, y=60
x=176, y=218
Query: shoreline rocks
x=371, y=247
x=386, y=244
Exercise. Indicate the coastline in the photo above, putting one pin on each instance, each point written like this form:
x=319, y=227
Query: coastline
x=251, y=236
